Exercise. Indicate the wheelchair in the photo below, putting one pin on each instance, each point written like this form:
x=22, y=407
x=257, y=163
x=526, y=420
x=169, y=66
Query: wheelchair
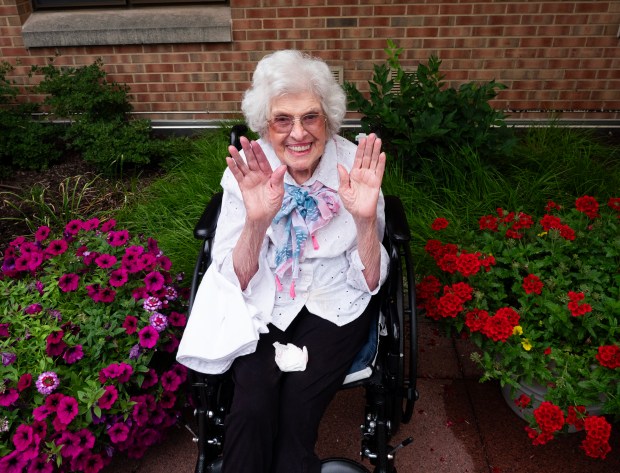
x=386, y=366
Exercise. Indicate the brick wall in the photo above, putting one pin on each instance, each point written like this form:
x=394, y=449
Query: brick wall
x=558, y=58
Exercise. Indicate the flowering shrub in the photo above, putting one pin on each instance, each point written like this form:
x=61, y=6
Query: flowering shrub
x=540, y=297
x=89, y=321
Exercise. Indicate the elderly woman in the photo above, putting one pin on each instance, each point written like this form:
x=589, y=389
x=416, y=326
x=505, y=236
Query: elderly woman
x=299, y=235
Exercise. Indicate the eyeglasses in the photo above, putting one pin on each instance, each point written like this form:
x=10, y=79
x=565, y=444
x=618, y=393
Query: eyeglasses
x=284, y=123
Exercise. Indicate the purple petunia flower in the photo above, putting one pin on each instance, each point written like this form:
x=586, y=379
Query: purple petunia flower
x=134, y=353
x=33, y=309
x=42, y=233
x=8, y=358
x=73, y=227
x=108, y=398
x=158, y=321
x=8, y=397
x=73, y=354
x=154, y=281
x=67, y=409
x=130, y=324
x=118, y=277
x=4, y=330
x=170, y=381
x=91, y=224
x=118, y=432
x=47, y=382
x=148, y=337
x=105, y=260
x=69, y=282
x=118, y=238
x=56, y=247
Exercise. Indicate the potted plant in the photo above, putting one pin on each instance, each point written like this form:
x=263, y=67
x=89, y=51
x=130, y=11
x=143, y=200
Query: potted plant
x=87, y=317
x=540, y=298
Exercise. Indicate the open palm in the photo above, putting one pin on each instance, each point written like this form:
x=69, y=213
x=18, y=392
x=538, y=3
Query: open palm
x=262, y=189
x=359, y=189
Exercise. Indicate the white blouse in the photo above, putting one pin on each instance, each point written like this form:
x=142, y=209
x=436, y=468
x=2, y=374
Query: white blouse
x=331, y=283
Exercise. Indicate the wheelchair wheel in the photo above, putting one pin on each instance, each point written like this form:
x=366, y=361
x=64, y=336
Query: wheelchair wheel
x=342, y=465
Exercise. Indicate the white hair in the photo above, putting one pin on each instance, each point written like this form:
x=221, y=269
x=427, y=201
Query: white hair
x=291, y=72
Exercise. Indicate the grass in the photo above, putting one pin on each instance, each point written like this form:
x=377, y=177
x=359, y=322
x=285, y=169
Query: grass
x=550, y=163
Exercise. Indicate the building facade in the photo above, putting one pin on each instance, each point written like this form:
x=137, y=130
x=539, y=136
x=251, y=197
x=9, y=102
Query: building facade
x=193, y=60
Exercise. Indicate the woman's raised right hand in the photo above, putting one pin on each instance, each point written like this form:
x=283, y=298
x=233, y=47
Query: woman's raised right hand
x=262, y=189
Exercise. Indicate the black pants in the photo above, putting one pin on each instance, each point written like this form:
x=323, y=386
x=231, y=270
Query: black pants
x=275, y=416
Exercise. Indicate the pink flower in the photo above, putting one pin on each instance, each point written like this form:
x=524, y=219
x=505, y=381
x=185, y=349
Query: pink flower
x=167, y=400
x=42, y=233
x=73, y=354
x=105, y=261
x=23, y=437
x=118, y=277
x=154, y=281
x=130, y=324
x=24, y=382
x=118, y=238
x=109, y=225
x=148, y=337
x=14, y=462
x=67, y=409
x=118, y=432
x=47, y=382
x=170, y=381
x=93, y=463
x=109, y=397
x=41, y=464
x=150, y=379
x=73, y=227
x=91, y=224
x=177, y=320
x=69, y=282
x=33, y=309
x=56, y=247
x=8, y=397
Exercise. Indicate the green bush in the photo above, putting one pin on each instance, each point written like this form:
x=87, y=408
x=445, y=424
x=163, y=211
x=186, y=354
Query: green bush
x=101, y=128
x=24, y=142
x=422, y=118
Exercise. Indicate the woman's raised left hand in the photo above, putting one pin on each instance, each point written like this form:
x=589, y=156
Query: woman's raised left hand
x=359, y=189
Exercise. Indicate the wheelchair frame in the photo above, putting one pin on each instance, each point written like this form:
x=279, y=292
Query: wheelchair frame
x=390, y=390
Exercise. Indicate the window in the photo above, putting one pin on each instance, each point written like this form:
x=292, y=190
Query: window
x=68, y=4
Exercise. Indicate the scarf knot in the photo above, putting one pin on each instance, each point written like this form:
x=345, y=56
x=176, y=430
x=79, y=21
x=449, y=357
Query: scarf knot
x=304, y=210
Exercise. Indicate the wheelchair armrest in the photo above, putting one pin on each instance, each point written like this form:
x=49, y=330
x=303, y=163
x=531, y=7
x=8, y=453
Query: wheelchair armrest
x=395, y=219
x=205, y=228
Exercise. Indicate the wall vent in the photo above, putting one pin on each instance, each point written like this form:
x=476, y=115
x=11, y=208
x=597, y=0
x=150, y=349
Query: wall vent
x=338, y=73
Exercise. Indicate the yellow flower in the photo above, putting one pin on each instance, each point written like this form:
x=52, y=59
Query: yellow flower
x=527, y=346
x=517, y=330
x=542, y=234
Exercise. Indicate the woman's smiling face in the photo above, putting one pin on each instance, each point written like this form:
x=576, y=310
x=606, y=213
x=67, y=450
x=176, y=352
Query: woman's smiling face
x=300, y=149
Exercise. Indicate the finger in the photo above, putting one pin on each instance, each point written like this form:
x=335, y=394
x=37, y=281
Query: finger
x=380, y=167
x=249, y=154
x=343, y=177
x=368, y=149
x=236, y=172
x=376, y=152
x=359, y=153
x=277, y=178
x=261, y=158
x=238, y=160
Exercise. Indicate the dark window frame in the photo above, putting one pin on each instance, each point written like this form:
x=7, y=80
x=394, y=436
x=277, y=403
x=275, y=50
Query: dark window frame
x=75, y=4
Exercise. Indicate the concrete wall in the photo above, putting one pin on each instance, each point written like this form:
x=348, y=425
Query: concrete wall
x=558, y=58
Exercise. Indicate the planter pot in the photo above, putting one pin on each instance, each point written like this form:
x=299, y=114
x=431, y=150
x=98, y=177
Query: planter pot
x=536, y=392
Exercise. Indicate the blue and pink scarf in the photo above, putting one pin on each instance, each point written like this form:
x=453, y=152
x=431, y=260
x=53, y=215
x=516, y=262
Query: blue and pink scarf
x=304, y=210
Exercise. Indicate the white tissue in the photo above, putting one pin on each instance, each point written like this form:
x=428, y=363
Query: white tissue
x=290, y=357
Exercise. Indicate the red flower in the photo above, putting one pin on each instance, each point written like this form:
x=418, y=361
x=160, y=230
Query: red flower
x=609, y=356
x=575, y=416
x=439, y=224
x=130, y=324
x=614, y=203
x=577, y=309
x=552, y=205
x=500, y=326
x=476, y=319
x=549, y=417
x=523, y=401
x=587, y=205
x=532, y=284
x=468, y=264
x=449, y=305
x=488, y=222
x=596, y=443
